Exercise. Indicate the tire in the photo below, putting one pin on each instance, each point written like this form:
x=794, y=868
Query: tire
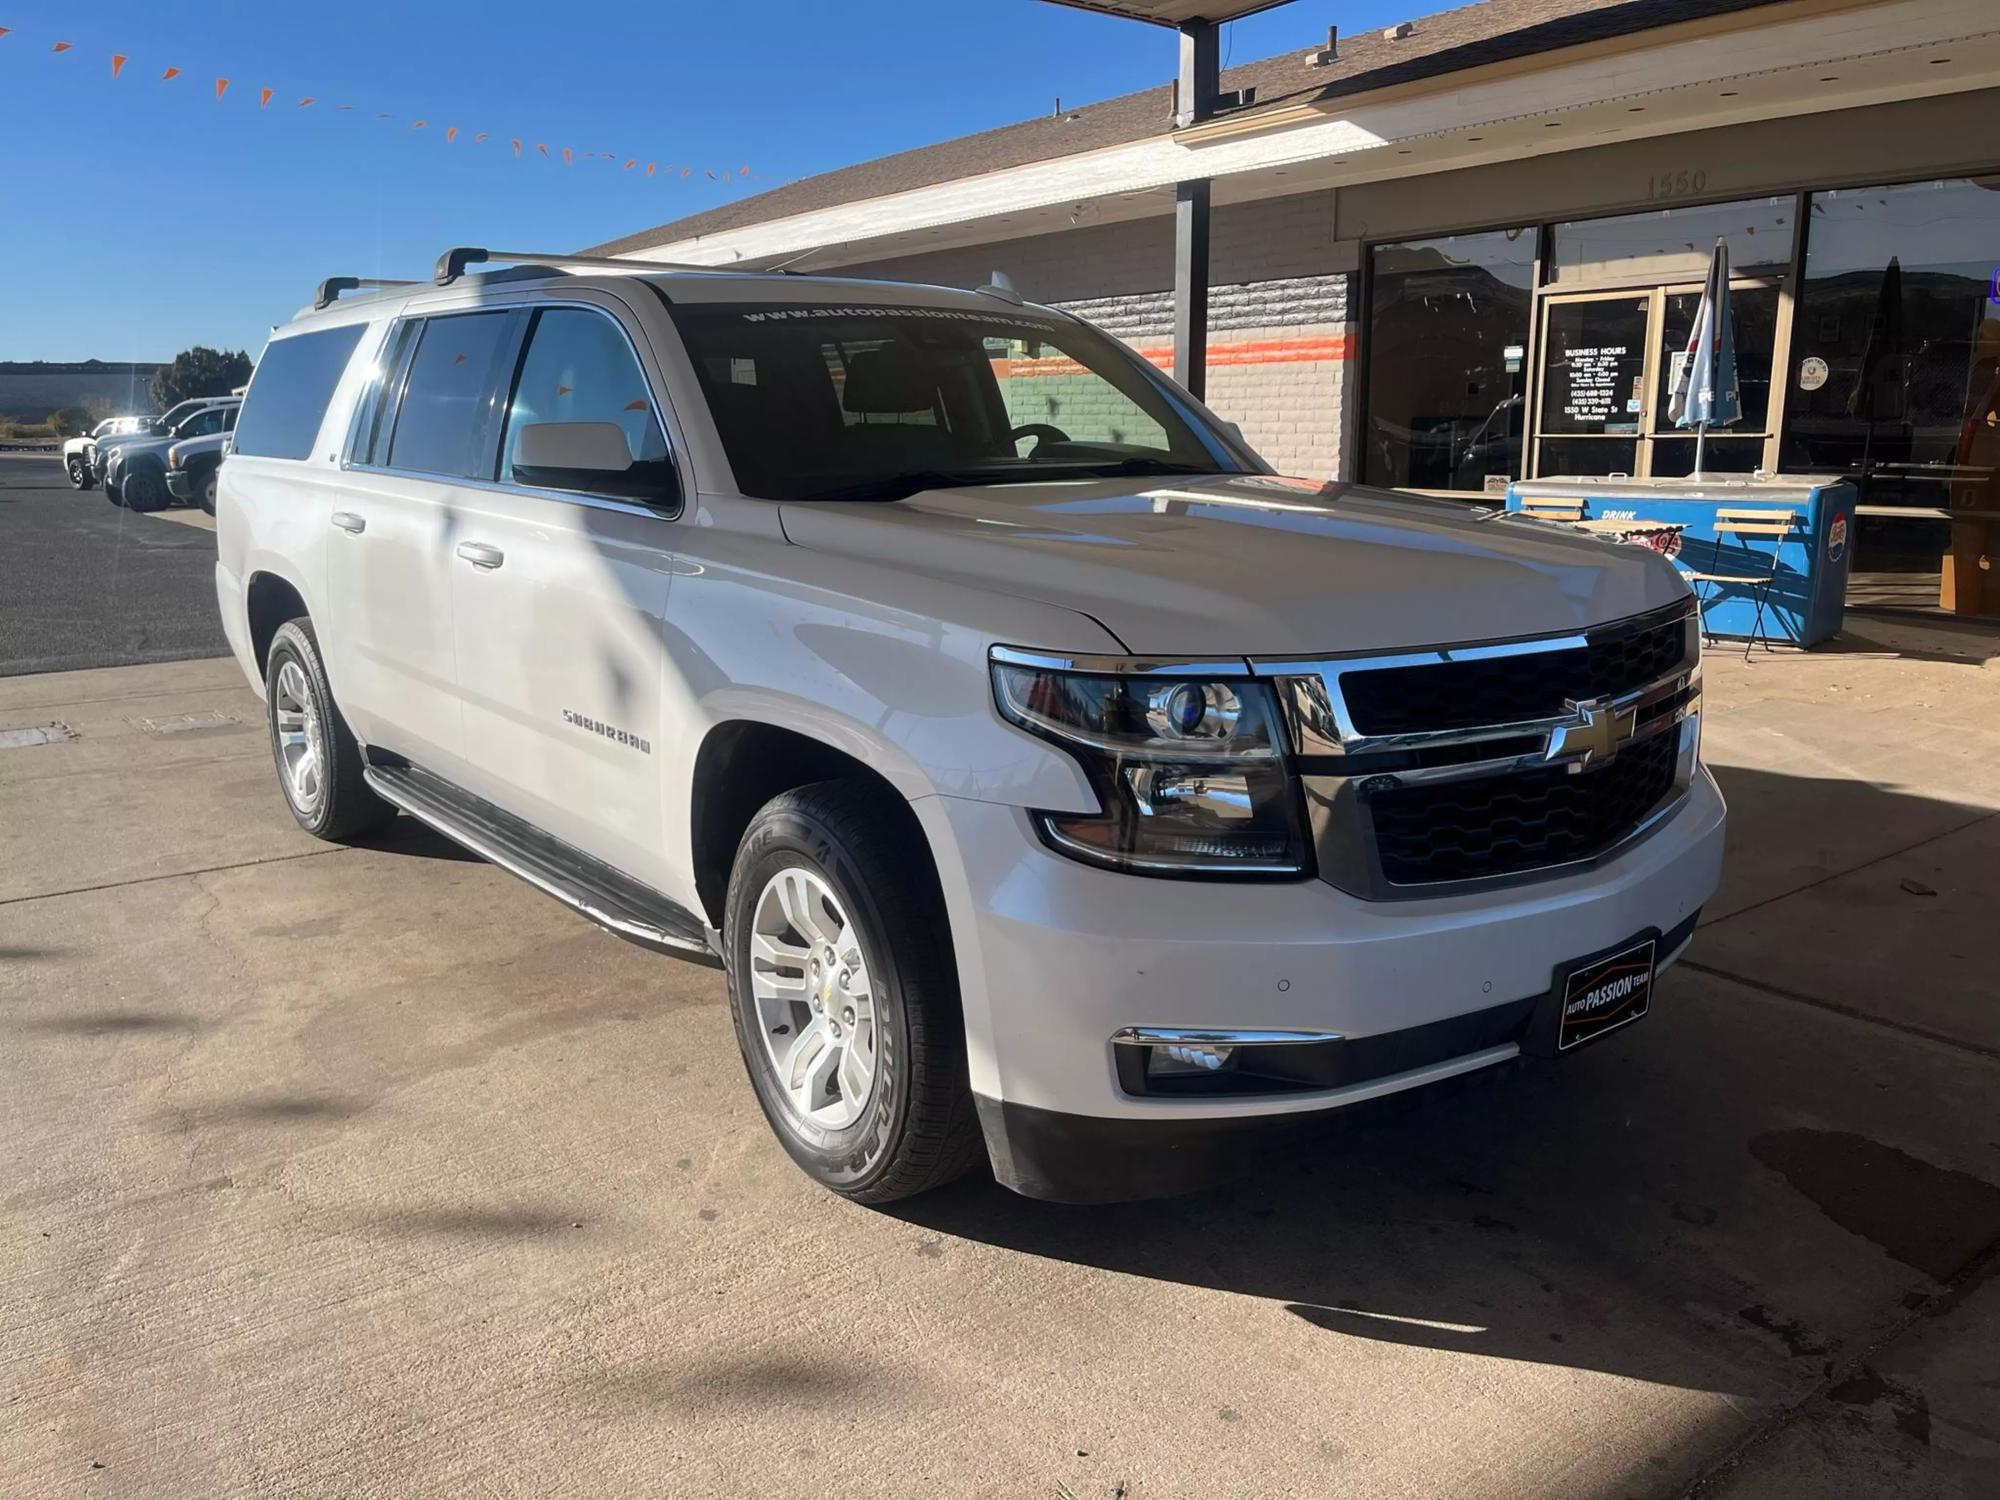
x=915, y=1129
x=79, y=472
x=298, y=702
x=143, y=488
x=111, y=490
x=206, y=494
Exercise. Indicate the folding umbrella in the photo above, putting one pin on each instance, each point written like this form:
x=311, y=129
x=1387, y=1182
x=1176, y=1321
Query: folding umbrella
x=1704, y=389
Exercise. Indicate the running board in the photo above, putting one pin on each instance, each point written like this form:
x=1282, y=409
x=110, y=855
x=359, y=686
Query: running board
x=576, y=879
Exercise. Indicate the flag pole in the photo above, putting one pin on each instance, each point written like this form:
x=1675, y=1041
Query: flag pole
x=1700, y=437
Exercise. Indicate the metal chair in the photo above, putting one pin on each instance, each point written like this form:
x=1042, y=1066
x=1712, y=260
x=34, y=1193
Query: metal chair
x=1744, y=525
x=1553, y=510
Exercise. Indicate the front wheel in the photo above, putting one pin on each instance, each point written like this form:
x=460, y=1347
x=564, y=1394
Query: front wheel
x=319, y=762
x=79, y=472
x=142, y=488
x=845, y=996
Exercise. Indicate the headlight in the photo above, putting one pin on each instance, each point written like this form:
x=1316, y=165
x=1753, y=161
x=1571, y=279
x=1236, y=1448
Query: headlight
x=173, y=458
x=1190, y=773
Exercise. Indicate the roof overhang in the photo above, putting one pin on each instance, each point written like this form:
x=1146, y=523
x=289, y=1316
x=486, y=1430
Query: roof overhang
x=1175, y=13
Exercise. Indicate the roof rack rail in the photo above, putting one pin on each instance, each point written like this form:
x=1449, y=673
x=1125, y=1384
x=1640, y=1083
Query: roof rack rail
x=451, y=265
x=328, y=291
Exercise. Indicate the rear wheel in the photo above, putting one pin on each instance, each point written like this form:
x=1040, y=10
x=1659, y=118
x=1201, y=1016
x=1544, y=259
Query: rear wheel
x=319, y=763
x=845, y=995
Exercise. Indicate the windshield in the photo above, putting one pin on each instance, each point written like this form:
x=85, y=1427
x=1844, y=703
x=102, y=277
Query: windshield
x=875, y=403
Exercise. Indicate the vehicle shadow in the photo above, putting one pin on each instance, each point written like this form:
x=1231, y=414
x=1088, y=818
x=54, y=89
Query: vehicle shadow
x=1612, y=1211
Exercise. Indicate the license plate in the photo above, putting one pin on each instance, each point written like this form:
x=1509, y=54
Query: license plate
x=1605, y=994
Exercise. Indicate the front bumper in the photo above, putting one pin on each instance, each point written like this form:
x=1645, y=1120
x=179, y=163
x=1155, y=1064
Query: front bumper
x=180, y=484
x=1056, y=958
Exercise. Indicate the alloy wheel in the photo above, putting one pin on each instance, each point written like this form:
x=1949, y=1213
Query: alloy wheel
x=300, y=740
x=815, y=999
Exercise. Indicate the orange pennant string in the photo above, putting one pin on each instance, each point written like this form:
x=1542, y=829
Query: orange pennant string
x=221, y=87
x=264, y=98
x=118, y=60
x=450, y=134
x=744, y=170
x=687, y=171
x=62, y=46
x=517, y=144
x=170, y=73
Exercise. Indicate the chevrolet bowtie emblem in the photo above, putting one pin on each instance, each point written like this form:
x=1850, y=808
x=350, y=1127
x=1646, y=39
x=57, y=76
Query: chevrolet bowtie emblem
x=1599, y=729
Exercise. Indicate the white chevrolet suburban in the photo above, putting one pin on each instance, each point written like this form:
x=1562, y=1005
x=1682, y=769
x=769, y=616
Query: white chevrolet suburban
x=1053, y=782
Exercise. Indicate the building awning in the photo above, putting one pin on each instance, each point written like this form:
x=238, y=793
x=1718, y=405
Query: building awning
x=1174, y=12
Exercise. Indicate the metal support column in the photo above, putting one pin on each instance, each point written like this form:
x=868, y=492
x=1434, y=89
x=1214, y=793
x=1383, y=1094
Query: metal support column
x=1191, y=215
x=1194, y=101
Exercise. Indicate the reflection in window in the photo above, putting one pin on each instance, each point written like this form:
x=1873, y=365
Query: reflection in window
x=1447, y=359
x=1753, y=313
x=1674, y=244
x=579, y=368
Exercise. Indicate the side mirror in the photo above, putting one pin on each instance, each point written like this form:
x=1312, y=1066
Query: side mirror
x=592, y=458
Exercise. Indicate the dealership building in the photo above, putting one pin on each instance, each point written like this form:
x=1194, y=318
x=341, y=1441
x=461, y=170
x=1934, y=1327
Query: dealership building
x=1396, y=257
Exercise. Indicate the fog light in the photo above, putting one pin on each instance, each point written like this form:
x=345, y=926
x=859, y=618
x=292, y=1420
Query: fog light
x=1186, y=1058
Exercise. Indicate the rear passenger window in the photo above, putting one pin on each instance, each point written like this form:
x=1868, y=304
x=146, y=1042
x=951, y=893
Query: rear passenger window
x=579, y=368
x=444, y=425
x=289, y=392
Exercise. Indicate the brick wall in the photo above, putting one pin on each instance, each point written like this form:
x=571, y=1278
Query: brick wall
x=1279, y=312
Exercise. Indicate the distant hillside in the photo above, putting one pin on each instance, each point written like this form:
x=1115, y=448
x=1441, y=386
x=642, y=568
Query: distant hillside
x=31, y=389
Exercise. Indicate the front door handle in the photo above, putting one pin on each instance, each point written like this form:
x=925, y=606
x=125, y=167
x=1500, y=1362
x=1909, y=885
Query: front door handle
x=481, y=554
x=349, y=522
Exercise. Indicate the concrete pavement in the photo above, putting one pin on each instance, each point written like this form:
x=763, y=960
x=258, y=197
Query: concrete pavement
x=371, y=1171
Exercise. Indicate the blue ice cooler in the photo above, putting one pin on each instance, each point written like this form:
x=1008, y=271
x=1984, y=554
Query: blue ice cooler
x=1806, y=599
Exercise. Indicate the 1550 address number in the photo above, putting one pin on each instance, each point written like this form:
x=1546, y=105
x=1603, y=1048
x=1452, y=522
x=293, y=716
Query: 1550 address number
x=1686, y=183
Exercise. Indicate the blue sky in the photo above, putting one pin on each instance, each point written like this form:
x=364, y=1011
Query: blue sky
x=142, y=216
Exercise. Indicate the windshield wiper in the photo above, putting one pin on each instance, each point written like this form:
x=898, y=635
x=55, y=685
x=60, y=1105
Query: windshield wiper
x=902, y=486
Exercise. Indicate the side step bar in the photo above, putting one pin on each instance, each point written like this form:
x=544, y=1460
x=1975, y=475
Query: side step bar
x=610, y=899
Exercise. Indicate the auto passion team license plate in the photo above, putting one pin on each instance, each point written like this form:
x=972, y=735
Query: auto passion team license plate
x=1606, y=993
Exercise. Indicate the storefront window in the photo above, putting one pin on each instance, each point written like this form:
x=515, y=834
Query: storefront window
x=1447, y=360
x=1895, y=370
x=1674, y=244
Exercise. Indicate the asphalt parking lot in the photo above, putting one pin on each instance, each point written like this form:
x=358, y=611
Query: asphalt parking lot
x=85, y=583
x=370, y=1171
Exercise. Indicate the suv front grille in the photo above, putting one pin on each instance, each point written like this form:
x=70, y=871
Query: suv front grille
x=1509, y=689
x=1432, y=769
x=1510, y=824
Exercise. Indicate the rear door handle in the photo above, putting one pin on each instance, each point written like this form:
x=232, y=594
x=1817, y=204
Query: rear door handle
x=481, y=554
x=349, y=522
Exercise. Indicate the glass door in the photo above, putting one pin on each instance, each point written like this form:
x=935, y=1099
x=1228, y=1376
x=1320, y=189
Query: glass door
x=1608, y=362
x=1594, y=407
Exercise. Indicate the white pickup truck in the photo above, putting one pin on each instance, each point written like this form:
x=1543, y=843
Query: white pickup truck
x=1058, y=787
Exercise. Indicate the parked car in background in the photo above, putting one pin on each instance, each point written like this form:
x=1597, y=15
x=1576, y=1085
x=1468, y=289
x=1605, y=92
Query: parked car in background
x=192, y=465
x=1058, y=786
x=78, y=452
x=134, y=470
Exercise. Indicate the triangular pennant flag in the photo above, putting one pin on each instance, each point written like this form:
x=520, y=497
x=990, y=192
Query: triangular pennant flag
x=479, y=137
x=638, y=405
x=264, y=98
x=712, y=177
x=450, y=134
x=567, y=159
x=564, y=390
x=632, y=163
x=221, y=87
x=418, y=124
x=383, y=114
x=62, y=46
x=541, y=148
x=118, y=60
x=687, y=171
x=649, y=168
x=744, y=171
x=5, y=29
x=170, y=73
x=305, y=101
x=517, y=144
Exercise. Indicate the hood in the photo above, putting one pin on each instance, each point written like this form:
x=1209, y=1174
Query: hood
x=1246, y=565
